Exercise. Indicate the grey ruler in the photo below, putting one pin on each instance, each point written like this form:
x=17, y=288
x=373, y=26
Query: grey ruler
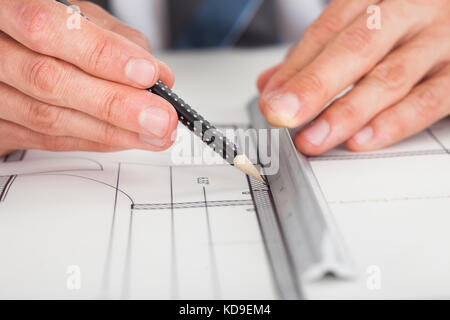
x=305, y=222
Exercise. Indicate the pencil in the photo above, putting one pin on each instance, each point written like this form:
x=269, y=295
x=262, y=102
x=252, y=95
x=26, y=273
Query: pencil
x=207, y=132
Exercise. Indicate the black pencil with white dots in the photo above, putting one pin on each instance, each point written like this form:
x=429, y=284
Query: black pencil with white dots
x=207, y=132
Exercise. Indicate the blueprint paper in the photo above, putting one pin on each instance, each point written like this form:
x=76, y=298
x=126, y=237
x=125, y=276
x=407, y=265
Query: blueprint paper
x=128, y=225
x=392, y=208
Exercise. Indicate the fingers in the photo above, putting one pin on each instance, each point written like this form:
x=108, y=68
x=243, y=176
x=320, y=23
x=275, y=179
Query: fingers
x=385, y=85
x=337, y=15
x=20, y=137
x=345, y=60
x=104, y=19
x=52, y=29
x=166, y=75
x=265, y=77
x=63, y=122
x=426, y=104
x=107, y=21
x=55, y=82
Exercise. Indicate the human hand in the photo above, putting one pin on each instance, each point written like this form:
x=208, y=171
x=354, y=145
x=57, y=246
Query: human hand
x=78, y=89
x=401, y=71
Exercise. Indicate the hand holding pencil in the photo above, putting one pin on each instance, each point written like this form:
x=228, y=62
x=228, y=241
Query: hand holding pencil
x=78, y=89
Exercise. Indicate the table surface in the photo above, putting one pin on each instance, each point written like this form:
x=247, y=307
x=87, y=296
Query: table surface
x=219, y=84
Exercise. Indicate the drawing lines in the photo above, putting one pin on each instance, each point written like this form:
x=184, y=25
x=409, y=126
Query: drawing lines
x=212, y=255
x=7, y=181
x=173, y=266
x=5, y=185
x=358, y=156
x=394, y=199
x=107, y=272
x=192, y=204
x=381, y=155
x=385, y=155
x=435, y=138
x=127, y=270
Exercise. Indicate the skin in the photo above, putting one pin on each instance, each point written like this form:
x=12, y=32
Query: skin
x=78, y=89
x=401, y=75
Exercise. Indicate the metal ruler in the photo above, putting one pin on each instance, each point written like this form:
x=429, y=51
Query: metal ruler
x=304, y=220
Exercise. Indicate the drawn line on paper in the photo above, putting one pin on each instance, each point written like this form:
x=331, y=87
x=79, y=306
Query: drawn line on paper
x=5, y=185
x=212, y=255
x=435, y=138
x=386, y=200
x=126, y=288
x=90, y=179
x=379, y=155
x=107, y=272
x=174, y=264
x=7, y=181
x=192, y=204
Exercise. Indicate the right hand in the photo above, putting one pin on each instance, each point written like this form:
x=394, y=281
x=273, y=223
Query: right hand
x=78, y=89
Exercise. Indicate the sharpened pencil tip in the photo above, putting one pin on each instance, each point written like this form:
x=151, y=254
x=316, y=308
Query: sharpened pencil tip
x=242, y=163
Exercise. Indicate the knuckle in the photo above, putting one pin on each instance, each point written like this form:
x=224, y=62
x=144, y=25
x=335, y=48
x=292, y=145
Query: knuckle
x=107, y=135
x=394, y=124
x=44, y=76
x=100, y=55
x=138, y=36
x=45, y=118
x=108, y=110
x=390, y=75
x=34, y=17
x=323, y=29
x=134, y=35
x=346, y=109
x=356, y=39
x=427, y=102
x=310, y=83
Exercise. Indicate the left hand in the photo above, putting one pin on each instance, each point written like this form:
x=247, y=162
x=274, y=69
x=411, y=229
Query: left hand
x=81, y=88
x=401, y=71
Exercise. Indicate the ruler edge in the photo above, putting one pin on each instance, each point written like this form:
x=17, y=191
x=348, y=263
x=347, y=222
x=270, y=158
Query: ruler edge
x=346, y=269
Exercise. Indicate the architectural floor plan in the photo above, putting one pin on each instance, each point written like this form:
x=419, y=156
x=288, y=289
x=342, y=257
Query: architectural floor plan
x=129, y=225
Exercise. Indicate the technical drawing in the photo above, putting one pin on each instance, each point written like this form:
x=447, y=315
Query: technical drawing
x=153, y=229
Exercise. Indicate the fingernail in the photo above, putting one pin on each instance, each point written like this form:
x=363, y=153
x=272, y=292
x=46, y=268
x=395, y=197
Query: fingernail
x=364, y=135
x=173, y=136
x=155, y=121
x=283, y=108
x=153, y=141
x=140, y=71
x=316, y=132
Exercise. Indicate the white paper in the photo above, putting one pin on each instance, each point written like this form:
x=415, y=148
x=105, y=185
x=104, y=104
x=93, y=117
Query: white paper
x=392, y=207
x=68, y=229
